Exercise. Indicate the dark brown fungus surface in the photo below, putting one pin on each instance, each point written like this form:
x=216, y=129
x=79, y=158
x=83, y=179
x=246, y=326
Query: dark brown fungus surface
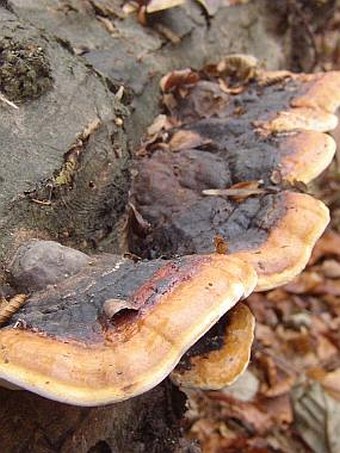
x=266, y=134
x=64, y=345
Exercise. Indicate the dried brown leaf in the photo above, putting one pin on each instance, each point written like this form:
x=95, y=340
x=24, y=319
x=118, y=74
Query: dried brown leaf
x=221, y=245
x=161, y=122
x=330, y=287
x=184, y=139
x=159, y=5
x=279, y=408
x=248, y=414
x=282, y=387
x=299, y=343
x=264, y=334
x=178, y=78
x=278, y=381
x=331, y=268
x=331, y=383
x=136, y=221
x=317, y=418
x=237, y=192
x=325, y=350
x=328, y=245
x=307, y=282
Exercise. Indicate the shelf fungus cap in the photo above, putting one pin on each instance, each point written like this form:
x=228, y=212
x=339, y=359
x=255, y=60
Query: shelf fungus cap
x=234, y=164
x=140, y=345
x=321, y=90
x=305, y=155
x=313, y=105
x=290, y=242
x=221, y=356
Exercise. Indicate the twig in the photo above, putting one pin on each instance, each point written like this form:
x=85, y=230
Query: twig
x=7, y=101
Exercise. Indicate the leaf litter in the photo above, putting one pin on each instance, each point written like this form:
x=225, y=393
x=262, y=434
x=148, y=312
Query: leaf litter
x=294, y=404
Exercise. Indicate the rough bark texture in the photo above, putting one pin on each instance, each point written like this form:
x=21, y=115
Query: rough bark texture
x=144, y=424
x=65, y=153
x=68, y=174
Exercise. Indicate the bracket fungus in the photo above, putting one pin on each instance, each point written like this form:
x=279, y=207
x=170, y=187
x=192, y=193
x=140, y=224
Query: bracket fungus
x=62, y=344
x=221, y=356
x=229, y=162
x=233, y=166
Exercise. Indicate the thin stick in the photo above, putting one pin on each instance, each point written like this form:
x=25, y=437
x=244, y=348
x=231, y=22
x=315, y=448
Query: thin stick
x=7, y=101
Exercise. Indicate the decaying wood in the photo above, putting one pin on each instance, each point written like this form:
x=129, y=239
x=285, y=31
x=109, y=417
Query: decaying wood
x=145, y=423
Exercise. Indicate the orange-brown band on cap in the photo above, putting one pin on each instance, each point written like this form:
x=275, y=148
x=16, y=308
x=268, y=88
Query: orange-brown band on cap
x=289, y=245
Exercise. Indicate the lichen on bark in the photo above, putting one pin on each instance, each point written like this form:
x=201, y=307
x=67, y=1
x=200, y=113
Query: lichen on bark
x=25, y=72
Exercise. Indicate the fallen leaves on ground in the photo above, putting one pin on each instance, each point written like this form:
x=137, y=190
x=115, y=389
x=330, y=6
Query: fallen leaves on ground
x=289, y=398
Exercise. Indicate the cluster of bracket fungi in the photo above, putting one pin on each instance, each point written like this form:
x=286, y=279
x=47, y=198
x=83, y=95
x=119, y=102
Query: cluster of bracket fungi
x=217, y=210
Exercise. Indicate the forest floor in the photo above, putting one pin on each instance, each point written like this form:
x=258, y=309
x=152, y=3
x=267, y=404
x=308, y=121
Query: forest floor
x=289, y=398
